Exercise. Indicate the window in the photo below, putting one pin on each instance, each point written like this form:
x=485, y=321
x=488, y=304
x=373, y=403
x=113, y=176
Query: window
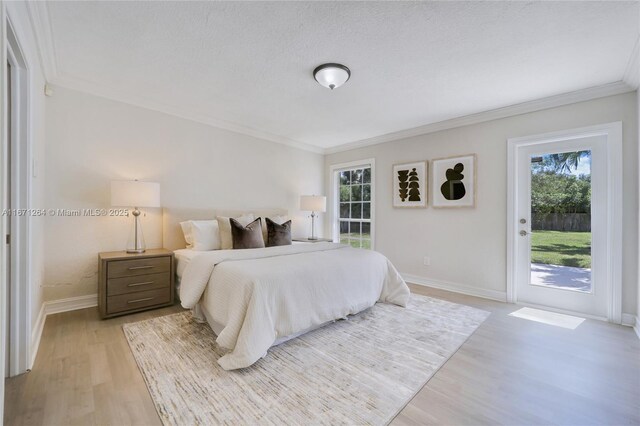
x=353, y=199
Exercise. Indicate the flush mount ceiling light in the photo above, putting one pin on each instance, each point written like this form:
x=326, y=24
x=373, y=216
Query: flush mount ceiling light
x=331, y=75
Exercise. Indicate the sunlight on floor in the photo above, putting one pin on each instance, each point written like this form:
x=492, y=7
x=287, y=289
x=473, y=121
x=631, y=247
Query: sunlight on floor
x=546, y=317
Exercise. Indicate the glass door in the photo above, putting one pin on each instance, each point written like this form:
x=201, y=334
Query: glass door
x=561, y=215
x=560, y=198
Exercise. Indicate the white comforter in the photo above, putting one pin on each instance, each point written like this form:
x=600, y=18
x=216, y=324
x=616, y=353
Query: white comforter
x=263, y=294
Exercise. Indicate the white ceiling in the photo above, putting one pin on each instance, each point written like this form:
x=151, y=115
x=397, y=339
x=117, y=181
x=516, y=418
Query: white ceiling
x=247, y=66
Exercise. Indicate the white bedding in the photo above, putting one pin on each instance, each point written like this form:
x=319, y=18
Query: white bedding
x=183, y=258
x=261, y=295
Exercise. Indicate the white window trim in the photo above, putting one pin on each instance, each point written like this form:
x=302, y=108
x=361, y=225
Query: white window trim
x=333, y=206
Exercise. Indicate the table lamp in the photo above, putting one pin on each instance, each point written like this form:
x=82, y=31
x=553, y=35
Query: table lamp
x=133, y=193
x=313, y=203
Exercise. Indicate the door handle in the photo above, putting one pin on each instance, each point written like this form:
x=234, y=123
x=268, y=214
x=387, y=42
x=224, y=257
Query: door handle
x=523, y=233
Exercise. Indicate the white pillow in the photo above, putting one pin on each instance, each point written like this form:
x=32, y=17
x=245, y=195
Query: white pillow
x=277, y=219
x=201, y=235
x=186, y=231
x=226, y=240
x=206, y=235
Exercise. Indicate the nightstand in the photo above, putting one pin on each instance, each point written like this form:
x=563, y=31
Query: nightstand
x=306, y=240
x=132, y=282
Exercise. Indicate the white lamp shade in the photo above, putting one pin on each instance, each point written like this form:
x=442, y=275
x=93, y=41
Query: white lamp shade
x=133, y=193
x=313, y=203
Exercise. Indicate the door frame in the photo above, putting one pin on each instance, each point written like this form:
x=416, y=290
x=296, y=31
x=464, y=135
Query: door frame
x=613, y=133
x=3, y=247
x=20, y=293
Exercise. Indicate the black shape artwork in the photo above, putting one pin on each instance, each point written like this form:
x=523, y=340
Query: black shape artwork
x=453, y=188
x=414, y=186
x=403, y=175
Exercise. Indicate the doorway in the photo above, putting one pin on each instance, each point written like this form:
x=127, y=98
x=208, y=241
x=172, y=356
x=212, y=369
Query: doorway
x=564, y=221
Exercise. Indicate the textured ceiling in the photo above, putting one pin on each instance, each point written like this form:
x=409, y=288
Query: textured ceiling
x=250, y=64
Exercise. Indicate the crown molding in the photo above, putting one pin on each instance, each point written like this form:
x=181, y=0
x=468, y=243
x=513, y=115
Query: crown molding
x=610, y=89
x=43, y=33
x=91, y=88
x=632, y=72
x=495, y=114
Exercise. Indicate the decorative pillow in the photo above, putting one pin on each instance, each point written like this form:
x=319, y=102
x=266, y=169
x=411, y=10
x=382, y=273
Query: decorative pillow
x=226, y=240
x=246, y=237
x=276, y=219
x=278, y=235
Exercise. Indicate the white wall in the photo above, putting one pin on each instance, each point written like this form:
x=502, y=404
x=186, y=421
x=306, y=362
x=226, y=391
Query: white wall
x=468, y=247
x=92, y=140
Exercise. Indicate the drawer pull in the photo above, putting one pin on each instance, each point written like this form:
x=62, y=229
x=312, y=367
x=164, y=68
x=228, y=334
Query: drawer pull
x=137, y=284
x=133, y=268
x=140, y=300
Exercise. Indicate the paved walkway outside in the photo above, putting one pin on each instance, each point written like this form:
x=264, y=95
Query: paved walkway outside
x=567, y=277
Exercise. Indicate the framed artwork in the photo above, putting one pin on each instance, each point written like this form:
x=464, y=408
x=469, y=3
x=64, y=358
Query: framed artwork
x=410, y=185
x=454, y=181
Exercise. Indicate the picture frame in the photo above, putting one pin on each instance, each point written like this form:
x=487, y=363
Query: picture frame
x=410, y=185
x=454, y=181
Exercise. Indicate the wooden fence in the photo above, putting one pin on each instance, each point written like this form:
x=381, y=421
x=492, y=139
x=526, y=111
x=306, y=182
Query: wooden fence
x=574, y=222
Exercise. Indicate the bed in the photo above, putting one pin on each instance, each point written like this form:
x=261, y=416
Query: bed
x=256, y=298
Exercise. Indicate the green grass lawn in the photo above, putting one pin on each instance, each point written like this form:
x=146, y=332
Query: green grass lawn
x=561, y=248
x=366, y=243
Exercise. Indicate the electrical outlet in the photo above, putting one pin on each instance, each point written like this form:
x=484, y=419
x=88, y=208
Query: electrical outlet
x=426, y=261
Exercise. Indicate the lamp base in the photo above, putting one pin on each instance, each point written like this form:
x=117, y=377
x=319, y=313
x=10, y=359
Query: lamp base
x=136, y=250
x=312, y=238
x=136, y=238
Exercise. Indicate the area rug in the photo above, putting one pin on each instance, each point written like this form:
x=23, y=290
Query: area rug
x=362, y=370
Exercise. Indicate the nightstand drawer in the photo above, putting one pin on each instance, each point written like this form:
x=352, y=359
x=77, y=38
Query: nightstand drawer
x=140, y=299
x=129, y=268
x=137, y=283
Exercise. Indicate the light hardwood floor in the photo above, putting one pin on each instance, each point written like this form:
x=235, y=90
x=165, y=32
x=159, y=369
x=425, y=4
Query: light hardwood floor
x=510, y=371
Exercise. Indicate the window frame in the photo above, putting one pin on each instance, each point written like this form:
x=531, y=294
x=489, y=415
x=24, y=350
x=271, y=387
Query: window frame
x=334, y=171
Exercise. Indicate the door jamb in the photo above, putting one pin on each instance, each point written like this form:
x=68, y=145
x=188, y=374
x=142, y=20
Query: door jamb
x=3, y=293
x=20, y=322
x=613, y=133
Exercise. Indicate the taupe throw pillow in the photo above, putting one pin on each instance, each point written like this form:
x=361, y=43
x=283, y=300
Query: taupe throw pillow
x=278, y=235
x=246, y=237
x=226, y=241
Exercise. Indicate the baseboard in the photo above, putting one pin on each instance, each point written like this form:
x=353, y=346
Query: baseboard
x=629, y=320
x=36, y=335
x=500, y=296
x=55, y=307
x=71, y=304
x=636, y=327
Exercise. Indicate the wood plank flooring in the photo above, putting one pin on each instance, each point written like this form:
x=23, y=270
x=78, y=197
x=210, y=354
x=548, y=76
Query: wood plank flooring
x=511, y=371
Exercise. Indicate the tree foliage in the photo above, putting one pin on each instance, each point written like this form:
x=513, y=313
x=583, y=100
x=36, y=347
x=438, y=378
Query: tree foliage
x=560, y=193
x=564, y=162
